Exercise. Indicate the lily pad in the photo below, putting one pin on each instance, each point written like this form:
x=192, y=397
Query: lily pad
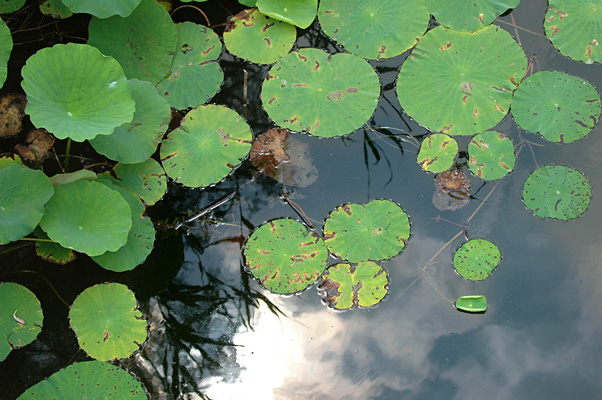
x=21, y=317
x=376, y=231
x=75, y=91
x=284, y=256
x=10, y=6
x=558, y=192
x=300, y=13
x=476, y=259
x=323, y=94
x=68, y=177
x=345, y=286
x=51, y=251
x=107, y=321
x=10, y=159
x=88, y=217
x=472, y=76
x=55, y=9
x=135, y=141
x=471, y=304
x=491, y=155
x=209, y=144
x=87, y=380
x=562, y=108
x=575, y=28
x=374, y=29
x=147, y=179
x=23, y=193
x=255, y=37
x=471, y=15
x=144, y=42
x=6, y=46
x=437, y=153
x=104, y=8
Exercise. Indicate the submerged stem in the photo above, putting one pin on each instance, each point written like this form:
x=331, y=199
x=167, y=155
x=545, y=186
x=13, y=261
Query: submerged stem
x=67, y=154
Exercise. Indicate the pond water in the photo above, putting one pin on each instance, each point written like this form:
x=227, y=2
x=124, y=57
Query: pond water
x=216, y=333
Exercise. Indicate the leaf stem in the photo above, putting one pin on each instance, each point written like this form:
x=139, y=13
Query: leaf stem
x=67, y=154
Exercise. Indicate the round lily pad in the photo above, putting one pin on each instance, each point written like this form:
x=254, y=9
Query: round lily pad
x=476, y=259
x=472, y=76
x=51, y=251
x=144, y=42
x=104, y=8
x=23, y=193
x=374, y=29
x=344, y=285
x=75, y=91
x=471, y=304
x=147, y=179
x=10, y=6
x=55, y=9
x=21, y=317
x=6, y=46
x=255, y=37
x=284, y=256
x=558, y=192
x=300, y=13
x=323, y=94
x=561, y=107
x=107, y=321
x=209, y=144
x=575, y=28
x=437, y=153
x=491, y=155
x=471, y=15
x=88, y=217
x=378, y=230
x=87, y=380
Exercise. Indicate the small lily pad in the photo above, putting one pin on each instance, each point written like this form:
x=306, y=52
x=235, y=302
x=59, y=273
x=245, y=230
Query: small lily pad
x=437, y=153
x=147, y=179
x=300, y=13
x=376, y=231
x=10, y=6
x=471, y=304
x=284, y=256
x=104, y=8
x=491, y=155
x=6, y=46
x=55, y=9
x=562, y=108
x=476, y=259
x=21, y=317
x=471, y=15
x=107, y=321
x=51, y=251
x=345, y=286
x=558, y=192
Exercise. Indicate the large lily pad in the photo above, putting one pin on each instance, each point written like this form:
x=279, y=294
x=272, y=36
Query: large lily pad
x=107, y=321
x=345, y=286
x=374, y=29
x=21, y=317
x=144, y=42
x=88, y=217
x=376, y=231
x=87, y=380
x=284, y=256
x=476, y=259
x=300, y=13
x=437, y=153
x=472, y=76
x=471, y=15
x=323, y=94
x=104, y=8
x=6, y=46
x=23, y=193
x=575, y=28
x=147, y=179
x=558, y=192
x=209, y=144
x=561, y=107
x=491, y=155
x=75, y=91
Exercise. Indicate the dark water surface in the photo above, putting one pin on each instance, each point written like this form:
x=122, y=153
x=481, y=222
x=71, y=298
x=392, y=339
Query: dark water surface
x=540, y=338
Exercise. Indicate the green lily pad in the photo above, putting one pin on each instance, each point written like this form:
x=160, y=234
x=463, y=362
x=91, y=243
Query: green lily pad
x=51, y=251
x=284, y=256
x=147, y=179
x=476, y=259
x=558, y=192
x=87, y=380
x=23, y=193
x=135, y=141
x=323, y=94
x=21, y=317
x=562, y=108
x=300, y=13
x=376, y=231
x=491, y=155
x=471, y=304
x=209, y=144
x=345, y=286
x=7, y=160
x=68, y=177
x=374, y=29
x=104, y=8
x=255, y=37
x=10, y=6
x=144, y=42
x=575, y=28
x=55, y=9
x=472, y=76
x=107, y=321
x=74, y=91
x=471, y=15
x=437, y=153
x=6, y=46
x=88, y=217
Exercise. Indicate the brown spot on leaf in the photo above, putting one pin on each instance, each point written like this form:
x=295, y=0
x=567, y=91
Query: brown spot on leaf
x=446, y=46
x=500, y=109
x=475, y=113
x=347, y=209
x=317, y=66
x=481, y=18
